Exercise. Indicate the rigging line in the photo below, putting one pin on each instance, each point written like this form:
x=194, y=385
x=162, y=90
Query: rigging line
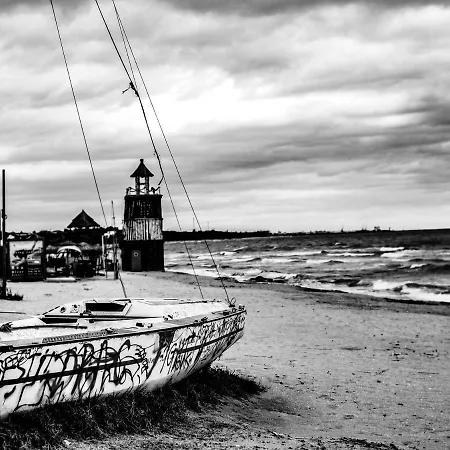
x=126, y=42
x=82, y=128
x=132, y=86
x=122, y=31
x=186, y=246
x=167, y=188
x=113, y=41
x=145, y=119
x=78, y=112
x=170, y=152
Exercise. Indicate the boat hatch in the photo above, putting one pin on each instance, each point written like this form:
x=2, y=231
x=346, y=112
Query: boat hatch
x=105, y=306
x=90, y=307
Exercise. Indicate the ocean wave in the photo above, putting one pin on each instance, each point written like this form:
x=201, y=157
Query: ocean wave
x=420, y=294
x=278, y=260
x=391, y=266
x=352, y=254
x=202, y=256
x=285, y=247
x=399, y=291
x=171, y=264
x=263, y=277
x=438, y=288
x=323, y=261
x=240, y=249
x=226, y=253
x=347, y=281
x=245, y=259
x=400, y=254
x=417, y=266
x=304, y=253
x=407, y=286
x=383, y=285
x=432, y=268
x=259, y=248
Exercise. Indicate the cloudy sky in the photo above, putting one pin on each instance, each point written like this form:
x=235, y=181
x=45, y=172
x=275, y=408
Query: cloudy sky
x=288, y=115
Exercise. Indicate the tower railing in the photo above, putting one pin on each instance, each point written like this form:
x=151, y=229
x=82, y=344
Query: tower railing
x=149, y=191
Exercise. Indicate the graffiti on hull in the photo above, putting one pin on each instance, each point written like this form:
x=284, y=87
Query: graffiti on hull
x=205, y=343
x=34, y=376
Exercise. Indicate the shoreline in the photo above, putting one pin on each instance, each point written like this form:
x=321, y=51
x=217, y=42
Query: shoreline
x=374, y=294
x=340, y=368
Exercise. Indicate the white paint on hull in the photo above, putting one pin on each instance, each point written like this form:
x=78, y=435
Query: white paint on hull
x=102, y=361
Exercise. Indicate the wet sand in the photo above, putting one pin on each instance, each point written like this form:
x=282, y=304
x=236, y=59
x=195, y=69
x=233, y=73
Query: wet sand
x=342, y=371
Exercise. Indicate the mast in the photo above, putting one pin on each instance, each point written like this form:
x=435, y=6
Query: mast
x=3, y=234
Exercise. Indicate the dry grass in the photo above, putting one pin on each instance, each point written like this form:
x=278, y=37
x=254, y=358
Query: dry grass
x=137, y=412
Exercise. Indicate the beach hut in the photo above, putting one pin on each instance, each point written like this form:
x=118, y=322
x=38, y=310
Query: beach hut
x=84, y=221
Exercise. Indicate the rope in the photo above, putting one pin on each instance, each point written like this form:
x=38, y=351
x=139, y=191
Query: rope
x=168, y=148
x=78, y=113
x=122, y=32
x=132, y=86
x=82, y=128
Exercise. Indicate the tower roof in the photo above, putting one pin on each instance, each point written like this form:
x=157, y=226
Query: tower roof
x=141, y=171
x=83, y=220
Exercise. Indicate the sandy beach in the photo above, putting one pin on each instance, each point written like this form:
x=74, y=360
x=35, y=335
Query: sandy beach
x=342, y=371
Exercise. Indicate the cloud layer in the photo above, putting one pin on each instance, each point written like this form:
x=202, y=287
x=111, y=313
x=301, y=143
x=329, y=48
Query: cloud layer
x=281, y=115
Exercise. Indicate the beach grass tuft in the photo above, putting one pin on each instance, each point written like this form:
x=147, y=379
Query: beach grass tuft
x=132, y=413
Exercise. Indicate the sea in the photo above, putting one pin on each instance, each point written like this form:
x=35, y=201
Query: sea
x=399, y=265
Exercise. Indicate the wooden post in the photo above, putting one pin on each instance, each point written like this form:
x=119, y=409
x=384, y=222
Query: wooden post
x=116, y=271
x=3, y=234
x=104, y=250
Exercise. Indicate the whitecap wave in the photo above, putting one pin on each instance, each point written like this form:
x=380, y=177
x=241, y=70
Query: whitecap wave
x=382, y=285
x=323, y=261
x=277, y=260
x=400, y=254
x=419, y=294
x=303, y=253
x=245, y=259
x=351, y=254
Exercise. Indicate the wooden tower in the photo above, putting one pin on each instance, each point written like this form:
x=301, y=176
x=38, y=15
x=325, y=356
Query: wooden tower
x=143, y=245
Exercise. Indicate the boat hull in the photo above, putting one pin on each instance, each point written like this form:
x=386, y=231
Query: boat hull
x=112, y=361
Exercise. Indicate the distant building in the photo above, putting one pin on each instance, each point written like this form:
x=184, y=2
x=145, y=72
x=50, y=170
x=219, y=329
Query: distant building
x=83, y=220
x=143, y=244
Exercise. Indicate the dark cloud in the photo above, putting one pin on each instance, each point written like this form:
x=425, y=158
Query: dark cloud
x=6, y=5
x=355, y=80
x=252, y=154
x=271, y=7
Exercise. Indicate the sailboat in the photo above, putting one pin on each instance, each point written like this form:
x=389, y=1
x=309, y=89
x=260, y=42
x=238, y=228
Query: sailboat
x=98, y=347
